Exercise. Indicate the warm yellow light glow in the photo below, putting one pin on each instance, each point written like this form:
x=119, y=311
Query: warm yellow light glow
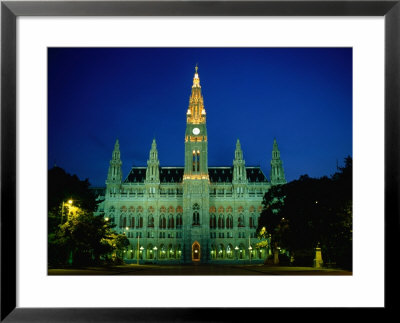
x=70, y=201
x=196, y=177
x=197, y=138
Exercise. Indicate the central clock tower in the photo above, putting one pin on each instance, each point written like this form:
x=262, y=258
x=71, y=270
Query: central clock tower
x=195, y=178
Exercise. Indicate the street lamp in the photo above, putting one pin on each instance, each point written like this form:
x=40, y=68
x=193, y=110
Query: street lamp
x=155, y=253
x=62, y=209
x=141, y=252
x=250, y=248
x=237, y=256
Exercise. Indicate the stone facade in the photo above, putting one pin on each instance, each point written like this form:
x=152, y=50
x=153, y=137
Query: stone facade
x=193, y=213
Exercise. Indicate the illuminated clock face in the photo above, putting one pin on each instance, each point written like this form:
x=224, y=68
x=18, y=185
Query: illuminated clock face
x=196, y=131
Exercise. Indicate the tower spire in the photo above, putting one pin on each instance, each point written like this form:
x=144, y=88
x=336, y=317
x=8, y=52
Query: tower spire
x=277, y=174
x=196, y=113
x=239, y=169
x=114, y=177
x=153, y=165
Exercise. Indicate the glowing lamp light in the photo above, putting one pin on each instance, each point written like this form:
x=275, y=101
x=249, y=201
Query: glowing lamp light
x=236, y=248
x=196, y=251
x=106, y=219
x=70, y=201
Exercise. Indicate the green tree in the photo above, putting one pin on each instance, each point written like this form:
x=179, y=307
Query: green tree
x=90, y=239
x=75, y=234
x=310, y=211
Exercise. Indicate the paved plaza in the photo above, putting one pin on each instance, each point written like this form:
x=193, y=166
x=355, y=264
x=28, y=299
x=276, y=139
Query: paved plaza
x=183, y=270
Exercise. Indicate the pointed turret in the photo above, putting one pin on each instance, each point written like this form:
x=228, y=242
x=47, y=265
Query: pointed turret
x=114, y=171
x=277, y=174
x=196, y=113
x=114, y=177
x=239, y=169
x=153, y=164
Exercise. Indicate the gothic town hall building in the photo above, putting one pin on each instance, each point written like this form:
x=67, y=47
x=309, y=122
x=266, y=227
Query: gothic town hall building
x=193, y=213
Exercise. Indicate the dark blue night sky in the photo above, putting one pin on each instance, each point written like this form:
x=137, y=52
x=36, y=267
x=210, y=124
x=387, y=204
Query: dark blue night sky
x=303, y=97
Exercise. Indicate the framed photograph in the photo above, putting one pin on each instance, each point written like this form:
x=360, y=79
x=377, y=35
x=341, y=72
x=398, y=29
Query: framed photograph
x=318, y=79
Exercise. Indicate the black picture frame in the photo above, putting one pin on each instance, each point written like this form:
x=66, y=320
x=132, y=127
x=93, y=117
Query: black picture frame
x=10, y=10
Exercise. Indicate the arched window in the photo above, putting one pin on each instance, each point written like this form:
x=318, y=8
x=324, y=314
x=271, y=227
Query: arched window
x=242, y=251
x=139, y=223
x=196, y=160
x=252, y=221
x=240, y=221
x=213, y=252
x=149, y=251
x=163, y=222
x=163, y=252
x=112, y=214
x=196, y=214
x=171, y=252
x=229, y=222
x=213, y=224
x=221, y=221
x=220, y=251
x=150, y=222
x=178, y=251
x=229, y=251
x=179, y=221
x=170, y=221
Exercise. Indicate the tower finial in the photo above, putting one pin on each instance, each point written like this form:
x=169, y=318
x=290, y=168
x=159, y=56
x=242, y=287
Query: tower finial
x=196, y=68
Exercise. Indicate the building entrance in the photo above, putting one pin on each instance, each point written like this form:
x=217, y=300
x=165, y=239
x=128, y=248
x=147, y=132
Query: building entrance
x=196, y=251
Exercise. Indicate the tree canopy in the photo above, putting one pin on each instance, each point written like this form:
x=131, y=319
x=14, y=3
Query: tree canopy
x=75, y=234
x=308, y=212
